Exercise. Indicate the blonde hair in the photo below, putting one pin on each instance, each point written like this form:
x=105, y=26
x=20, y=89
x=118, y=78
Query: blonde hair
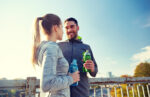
x=47, y=22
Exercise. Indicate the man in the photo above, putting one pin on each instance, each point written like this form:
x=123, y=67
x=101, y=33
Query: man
x=73, y=48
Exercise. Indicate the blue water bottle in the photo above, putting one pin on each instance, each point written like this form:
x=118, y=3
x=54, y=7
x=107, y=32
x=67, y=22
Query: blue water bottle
x=73, y=68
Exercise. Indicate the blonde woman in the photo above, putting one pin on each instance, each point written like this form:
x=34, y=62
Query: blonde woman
x=47, y=54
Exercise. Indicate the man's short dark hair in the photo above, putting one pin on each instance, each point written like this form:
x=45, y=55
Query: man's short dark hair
x=72, y=19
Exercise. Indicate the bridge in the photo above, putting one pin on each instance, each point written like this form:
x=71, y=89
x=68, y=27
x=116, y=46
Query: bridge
x=99, y=87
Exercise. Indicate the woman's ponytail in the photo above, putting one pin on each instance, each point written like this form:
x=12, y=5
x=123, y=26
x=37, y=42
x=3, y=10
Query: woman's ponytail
x=36, y=40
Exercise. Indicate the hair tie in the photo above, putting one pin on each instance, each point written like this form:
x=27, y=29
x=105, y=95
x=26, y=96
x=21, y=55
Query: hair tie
x=40, y=18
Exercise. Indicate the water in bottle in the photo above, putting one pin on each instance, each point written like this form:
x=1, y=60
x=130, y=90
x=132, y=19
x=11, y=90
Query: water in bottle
x=73, y=68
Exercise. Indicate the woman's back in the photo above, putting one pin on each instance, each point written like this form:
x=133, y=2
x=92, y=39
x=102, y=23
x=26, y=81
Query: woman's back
x=54, y=70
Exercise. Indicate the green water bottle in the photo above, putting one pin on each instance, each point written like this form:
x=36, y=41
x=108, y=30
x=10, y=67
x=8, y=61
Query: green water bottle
x=86, y=56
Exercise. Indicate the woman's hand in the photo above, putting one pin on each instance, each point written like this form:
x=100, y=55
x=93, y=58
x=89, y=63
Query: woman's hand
x=75, y=76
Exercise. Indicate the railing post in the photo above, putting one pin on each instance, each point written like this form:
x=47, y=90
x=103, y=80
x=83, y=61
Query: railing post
x=101, y=91
x=127, y=90
x=138, y=90
x=148, y=90
x=133, y=91
x=94, y=92
x=30, y=87
x=143, y=91
x=108, y=91
x=115, y=91
x=121, y=91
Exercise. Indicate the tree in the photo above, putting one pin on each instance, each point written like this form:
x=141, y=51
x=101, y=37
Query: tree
x=142, y=70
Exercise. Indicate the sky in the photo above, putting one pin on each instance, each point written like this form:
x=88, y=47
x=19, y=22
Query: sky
x=118, y=32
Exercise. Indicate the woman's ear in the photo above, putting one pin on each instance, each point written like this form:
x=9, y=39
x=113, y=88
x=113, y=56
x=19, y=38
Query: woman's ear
x=55, y=28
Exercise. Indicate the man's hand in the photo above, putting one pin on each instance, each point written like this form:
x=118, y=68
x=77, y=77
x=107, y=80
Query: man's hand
x=89, y=64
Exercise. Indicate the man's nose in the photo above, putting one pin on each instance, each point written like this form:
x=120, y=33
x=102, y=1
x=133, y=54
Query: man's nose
x=69, y=30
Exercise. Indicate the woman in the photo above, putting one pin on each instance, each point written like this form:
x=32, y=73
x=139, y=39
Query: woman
x=48, y=55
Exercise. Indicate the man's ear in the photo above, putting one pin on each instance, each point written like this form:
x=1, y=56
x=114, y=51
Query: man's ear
x=78, y=28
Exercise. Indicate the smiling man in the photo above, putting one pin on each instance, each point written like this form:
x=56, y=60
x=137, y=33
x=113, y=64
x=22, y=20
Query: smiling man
x=71, y=28
x=73, y=48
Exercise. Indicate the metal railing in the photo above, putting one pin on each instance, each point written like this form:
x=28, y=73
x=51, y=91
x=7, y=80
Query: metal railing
x=26, y=87
x=120, y=87
x=100, y=87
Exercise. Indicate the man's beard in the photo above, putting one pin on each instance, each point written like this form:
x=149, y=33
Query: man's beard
x=74, y=37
